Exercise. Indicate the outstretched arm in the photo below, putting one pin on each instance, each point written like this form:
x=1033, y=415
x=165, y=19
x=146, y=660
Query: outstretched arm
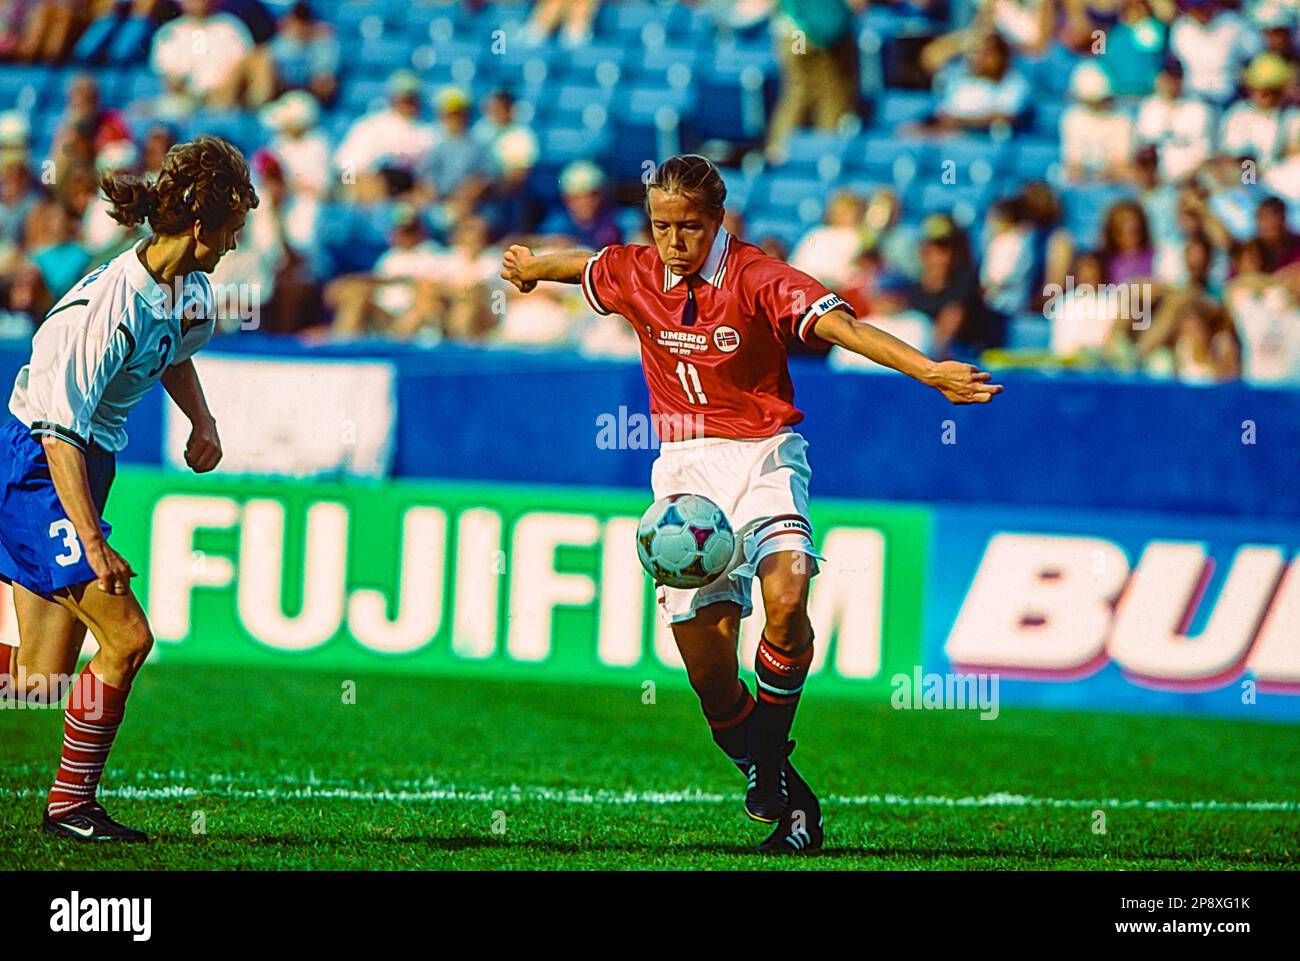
x=961, y=383
x=524, y=269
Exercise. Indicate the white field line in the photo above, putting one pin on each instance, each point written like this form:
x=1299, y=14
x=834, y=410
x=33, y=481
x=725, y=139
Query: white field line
x=164, y=786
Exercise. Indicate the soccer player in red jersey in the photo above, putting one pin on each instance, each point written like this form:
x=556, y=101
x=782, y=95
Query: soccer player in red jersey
x=714, y=316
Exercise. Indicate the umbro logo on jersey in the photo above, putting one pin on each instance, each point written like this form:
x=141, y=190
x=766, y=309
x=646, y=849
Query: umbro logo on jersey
x=726, y=339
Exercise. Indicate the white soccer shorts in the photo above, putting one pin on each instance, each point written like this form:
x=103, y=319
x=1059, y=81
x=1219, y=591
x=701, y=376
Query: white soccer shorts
x=762, y=487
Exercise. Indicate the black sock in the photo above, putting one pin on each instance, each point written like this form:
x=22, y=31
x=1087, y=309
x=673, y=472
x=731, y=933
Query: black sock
x=730, y=729
x=780, y=675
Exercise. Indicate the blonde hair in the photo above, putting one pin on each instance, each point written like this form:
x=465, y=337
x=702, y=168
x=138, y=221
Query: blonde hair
x=693, y=177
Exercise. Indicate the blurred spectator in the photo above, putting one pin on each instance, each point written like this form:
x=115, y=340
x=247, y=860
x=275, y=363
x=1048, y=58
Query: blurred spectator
x=829, y=252
x=18, y=195
x=1181, y=128
x=1266, y=312
x=158, y=139
x=84, y=106
x=818, y=54
x=948, y=293
x=1278, y=23
x=576, y=16
x=460, y=167
x=395, y=140
x=452, y=291
x=514, y=148
x=1279, y=245
x=981, y=90
x=1205, y=348
x=1260, y=127
x=24, y=298
x=101, y=235
x=1096, y=139
x=1197, y=284
x=1083, y=313
x=303, y=55
x=198, y=54
x=1126, y=252
x=385, y=298
x=124, y=35
x=1084, y=20
x=299, y=146
x=51, y=242
x=1135, y=49
x=886, y=233
x=585, y=220
x=1007, y=267
x=50, y=28
x=1050, y=244
x=890, y=311
x=1212, y=43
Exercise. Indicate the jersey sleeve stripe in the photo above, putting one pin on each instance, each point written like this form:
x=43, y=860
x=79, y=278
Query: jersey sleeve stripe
x=45, y=427
x=130, y=339
x=589, y=288
x=72, y=303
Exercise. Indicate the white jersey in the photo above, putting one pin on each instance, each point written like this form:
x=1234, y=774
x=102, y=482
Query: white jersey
x=103, y=346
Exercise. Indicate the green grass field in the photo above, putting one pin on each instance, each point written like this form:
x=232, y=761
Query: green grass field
x=435, y=774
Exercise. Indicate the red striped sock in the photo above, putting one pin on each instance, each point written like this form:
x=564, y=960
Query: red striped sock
x=6, y=659
x=94, y=714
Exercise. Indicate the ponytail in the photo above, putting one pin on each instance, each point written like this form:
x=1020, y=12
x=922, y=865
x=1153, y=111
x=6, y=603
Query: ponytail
x=134, y=199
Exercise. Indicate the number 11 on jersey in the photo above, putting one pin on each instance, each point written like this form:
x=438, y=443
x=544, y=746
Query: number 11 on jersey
x=690, y=378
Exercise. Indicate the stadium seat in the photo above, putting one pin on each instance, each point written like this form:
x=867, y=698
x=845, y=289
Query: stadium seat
x=1035, y=159
x=783, y=229
x=882, y=157
x=384, y=55
x=897, y=107
x=815, y=153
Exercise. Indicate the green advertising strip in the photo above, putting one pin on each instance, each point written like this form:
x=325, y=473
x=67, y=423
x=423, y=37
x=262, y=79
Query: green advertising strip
x=469, y=578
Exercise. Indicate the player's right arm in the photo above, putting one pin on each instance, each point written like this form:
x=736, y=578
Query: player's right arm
x=72, y=363
x=72, y=484
x=521, y=267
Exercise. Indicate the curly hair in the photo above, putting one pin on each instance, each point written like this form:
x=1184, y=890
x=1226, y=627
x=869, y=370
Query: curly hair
x=205, y=180
x=691, y=176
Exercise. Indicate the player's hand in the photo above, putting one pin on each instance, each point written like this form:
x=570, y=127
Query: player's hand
x=113, y=573
x=203, y=452
x=963, y=383
x=514, y=267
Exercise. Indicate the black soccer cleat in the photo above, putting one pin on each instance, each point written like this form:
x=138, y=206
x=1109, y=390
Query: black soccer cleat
x=90, y=822
x=768, y=796
x=801, y=830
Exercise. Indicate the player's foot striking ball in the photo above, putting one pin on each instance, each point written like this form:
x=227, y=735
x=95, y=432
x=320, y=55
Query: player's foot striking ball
x=128, y=325
x=714, y=316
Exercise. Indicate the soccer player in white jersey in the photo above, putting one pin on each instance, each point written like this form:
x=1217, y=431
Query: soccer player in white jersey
x=715, y=316
x=129, y=324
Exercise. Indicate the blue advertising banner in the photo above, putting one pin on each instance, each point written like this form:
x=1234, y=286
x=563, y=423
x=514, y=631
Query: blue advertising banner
x=1126, y=611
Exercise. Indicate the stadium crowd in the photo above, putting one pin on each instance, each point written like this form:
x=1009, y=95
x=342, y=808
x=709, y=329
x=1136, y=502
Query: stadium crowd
x=1091, y=183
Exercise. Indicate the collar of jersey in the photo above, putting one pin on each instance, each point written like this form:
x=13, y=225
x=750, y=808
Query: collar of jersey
x=152, y=293
x=714, y=267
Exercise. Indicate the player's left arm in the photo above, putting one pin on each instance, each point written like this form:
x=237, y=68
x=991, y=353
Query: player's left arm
x=961, y=383
x=203, y=452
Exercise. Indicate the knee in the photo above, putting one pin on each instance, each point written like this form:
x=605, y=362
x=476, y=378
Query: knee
x=714, y=685
x=131, y=643
x=787, y=620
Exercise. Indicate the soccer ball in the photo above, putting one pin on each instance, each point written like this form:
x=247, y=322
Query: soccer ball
x=684, y=540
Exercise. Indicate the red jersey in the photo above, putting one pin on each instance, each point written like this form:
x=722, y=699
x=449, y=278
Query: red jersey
x=713, y=348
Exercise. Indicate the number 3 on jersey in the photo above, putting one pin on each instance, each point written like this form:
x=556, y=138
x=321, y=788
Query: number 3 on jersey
x=690, y=378
x=65, y=531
